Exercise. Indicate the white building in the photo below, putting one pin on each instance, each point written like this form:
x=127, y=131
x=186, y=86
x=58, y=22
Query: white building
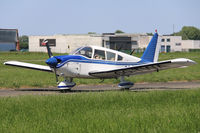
x=63, y=43
x=170, y=43
x=190, y=44
x=68, y=43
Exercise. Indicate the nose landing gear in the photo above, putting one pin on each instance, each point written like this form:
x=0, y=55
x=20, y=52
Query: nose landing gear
x=66, y=84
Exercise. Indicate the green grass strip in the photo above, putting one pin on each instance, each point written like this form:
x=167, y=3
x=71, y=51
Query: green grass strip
x=105, y=112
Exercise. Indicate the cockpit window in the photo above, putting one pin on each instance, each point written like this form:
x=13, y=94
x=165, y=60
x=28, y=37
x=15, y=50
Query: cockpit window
x=110, y=56
x=99, y=54
x=86, y=51
x=119, y=58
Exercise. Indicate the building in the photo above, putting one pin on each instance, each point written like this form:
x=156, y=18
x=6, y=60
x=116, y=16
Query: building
x=9, y=40
x=190, y=45
x=63, y=43
x=68, y=43
x=120, y=41
x=170, y=43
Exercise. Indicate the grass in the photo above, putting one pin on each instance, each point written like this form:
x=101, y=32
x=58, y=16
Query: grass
x=155, y=111
x=12, y=77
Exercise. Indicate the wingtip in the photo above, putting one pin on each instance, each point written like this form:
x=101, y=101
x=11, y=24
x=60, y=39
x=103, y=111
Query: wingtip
x=7, y=62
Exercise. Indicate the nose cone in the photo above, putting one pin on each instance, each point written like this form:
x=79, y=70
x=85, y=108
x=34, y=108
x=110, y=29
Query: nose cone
x=52, y=61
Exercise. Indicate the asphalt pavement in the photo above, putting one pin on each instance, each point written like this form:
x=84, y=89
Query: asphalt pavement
x=100, y=88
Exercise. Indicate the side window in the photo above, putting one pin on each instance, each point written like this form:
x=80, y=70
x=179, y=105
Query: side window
x=86, y=51
x=110, y=56
x=119, y=58
x=99, y=54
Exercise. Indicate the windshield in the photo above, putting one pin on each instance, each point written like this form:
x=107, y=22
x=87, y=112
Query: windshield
x=74, y=51
x=85, y=51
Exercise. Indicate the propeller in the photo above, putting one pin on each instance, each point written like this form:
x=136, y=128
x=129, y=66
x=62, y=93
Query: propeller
x=45, y=43
x=132, y=51
x=52, y=61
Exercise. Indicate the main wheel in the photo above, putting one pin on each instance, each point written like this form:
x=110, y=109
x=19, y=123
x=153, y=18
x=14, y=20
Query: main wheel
x=125, y=85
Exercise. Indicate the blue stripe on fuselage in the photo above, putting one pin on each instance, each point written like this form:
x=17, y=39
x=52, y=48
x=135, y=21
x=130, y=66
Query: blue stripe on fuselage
x=78, y=58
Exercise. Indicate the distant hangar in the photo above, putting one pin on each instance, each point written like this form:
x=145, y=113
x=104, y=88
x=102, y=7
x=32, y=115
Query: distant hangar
x=66, y=43
x=9, y=40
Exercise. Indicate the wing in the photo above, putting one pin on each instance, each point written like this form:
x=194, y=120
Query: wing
x=143, y=68
x=28, y=65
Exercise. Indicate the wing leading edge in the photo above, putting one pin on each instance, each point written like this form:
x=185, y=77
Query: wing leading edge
x=28, y=65
x=144, y=68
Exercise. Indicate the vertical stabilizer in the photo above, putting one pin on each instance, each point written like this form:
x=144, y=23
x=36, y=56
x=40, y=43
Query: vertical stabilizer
x=152, y=51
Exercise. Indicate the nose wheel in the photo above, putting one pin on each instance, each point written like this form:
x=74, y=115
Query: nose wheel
x=66, y=84
x=125, y=85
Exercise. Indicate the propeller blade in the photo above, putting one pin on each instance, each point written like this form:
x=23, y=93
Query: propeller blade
x=132, y=51
x=52, y=61
x=56, y=74
x=45, y=43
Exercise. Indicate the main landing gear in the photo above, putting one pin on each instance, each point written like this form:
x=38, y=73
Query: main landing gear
x=125, y=85
x=67, y=84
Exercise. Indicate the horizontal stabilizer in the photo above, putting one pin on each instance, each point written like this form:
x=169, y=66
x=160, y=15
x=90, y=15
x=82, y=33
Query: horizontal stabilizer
x=28, y=65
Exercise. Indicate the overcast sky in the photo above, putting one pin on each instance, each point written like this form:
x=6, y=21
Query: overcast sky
x=49, y=17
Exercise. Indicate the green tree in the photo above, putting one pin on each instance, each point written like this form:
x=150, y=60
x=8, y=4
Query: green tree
x=119, y=31
x=23, y=42
x=189, y=33
x=150, y=34
x=91, y=32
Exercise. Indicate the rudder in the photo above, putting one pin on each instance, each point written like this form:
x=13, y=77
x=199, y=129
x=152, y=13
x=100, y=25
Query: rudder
x=152, y=50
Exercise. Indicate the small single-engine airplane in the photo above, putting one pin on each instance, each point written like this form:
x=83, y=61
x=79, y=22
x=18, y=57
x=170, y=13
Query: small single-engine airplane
x=103, y=63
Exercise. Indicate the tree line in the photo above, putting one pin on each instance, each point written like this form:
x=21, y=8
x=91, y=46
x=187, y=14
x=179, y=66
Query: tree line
x=188, y=33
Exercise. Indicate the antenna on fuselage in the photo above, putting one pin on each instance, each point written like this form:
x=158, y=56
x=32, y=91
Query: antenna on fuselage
x=119, y=48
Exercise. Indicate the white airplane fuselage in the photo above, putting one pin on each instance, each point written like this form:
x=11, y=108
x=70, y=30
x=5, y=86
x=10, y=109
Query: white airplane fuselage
x=79, y=66
x=81, y=70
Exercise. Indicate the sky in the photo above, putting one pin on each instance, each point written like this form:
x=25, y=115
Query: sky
x=50, y=17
